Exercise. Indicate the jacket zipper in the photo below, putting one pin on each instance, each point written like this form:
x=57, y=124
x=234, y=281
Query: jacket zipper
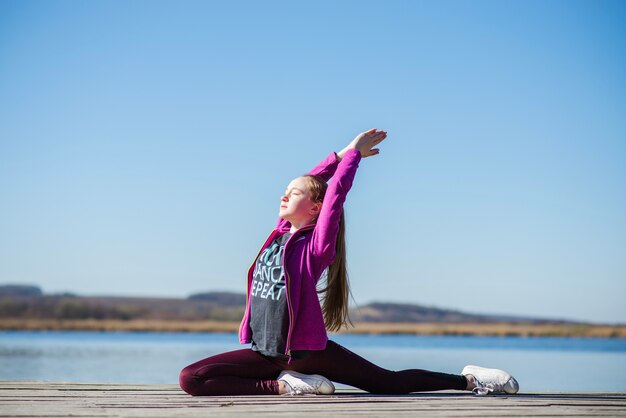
x=287, y=293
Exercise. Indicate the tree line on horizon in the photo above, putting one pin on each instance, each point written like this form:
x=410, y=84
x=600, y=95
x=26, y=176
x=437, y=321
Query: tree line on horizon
x=29, y=302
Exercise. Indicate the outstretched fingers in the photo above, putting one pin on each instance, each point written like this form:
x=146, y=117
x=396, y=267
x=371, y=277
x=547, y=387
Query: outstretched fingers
x=366, y=141
x=378, y=138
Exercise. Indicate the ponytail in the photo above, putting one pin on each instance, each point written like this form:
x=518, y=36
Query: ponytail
x=336, y=293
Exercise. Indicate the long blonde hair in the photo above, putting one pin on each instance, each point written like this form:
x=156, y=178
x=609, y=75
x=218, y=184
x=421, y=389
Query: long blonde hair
x=336, y=292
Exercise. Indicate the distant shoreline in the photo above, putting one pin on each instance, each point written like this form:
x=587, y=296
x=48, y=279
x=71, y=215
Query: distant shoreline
x=375, y=328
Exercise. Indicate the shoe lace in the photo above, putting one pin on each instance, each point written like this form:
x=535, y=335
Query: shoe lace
x=300, y=391
x=483, y=389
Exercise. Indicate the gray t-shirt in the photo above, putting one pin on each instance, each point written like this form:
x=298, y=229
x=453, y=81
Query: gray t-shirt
x=269, y=318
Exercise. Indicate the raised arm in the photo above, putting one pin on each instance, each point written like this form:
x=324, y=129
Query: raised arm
x=362, y=146
x=327, y=167
x=327, y=226
x=324, y=237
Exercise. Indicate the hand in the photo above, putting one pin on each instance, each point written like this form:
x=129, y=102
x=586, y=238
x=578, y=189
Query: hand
x=366, y=141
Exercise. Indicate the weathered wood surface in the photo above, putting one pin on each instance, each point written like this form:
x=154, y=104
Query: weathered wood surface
x=47, y=399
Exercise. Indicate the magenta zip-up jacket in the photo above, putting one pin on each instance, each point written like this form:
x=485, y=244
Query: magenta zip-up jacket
x=308, y=252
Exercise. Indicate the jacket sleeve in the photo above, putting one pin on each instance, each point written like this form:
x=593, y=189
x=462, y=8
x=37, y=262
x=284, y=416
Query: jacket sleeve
x=326, y=168
x=324, y=238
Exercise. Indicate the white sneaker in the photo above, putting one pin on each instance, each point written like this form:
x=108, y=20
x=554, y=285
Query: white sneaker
x=299, y=384
x=491, y=380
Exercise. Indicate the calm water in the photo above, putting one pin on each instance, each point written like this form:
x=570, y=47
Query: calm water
x=539, y=364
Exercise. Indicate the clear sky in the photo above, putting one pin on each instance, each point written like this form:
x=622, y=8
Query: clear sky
x=144, y=146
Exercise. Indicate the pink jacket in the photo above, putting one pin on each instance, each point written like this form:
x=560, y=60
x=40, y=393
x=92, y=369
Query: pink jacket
x=308, y=252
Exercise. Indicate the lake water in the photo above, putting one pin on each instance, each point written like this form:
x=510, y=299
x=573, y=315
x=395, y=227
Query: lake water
x=539, y=364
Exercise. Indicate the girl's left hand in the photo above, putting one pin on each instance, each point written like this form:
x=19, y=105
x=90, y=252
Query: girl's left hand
x=366, y=141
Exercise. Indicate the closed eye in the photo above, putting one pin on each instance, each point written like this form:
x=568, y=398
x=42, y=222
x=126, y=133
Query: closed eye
x=293, y=192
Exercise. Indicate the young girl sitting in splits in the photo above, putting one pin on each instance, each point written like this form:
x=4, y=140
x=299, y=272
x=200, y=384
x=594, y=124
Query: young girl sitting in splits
x=290, y=351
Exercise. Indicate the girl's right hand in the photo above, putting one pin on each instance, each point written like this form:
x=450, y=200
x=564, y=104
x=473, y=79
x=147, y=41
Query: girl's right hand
x=366, y=141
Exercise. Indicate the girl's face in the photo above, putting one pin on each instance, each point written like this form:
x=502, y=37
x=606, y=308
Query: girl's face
x=296, y=205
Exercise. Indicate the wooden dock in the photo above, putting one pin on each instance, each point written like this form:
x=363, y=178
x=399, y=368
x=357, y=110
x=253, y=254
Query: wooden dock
x=57, y=399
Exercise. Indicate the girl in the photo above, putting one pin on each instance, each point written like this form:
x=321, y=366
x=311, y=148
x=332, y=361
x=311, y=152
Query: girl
x=284, y=322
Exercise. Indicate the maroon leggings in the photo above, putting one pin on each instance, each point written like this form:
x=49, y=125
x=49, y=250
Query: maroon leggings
x=246, y=372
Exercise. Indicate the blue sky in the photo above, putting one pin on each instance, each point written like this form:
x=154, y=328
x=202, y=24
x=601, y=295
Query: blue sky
x=144, y=146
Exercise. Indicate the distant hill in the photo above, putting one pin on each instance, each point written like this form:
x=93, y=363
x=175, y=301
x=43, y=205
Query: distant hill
x=405, y=313
x=29, y=302
x=221, y=306
x=19, y=290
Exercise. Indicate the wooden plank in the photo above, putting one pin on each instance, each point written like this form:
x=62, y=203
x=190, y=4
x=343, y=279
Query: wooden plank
x=62, y=399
